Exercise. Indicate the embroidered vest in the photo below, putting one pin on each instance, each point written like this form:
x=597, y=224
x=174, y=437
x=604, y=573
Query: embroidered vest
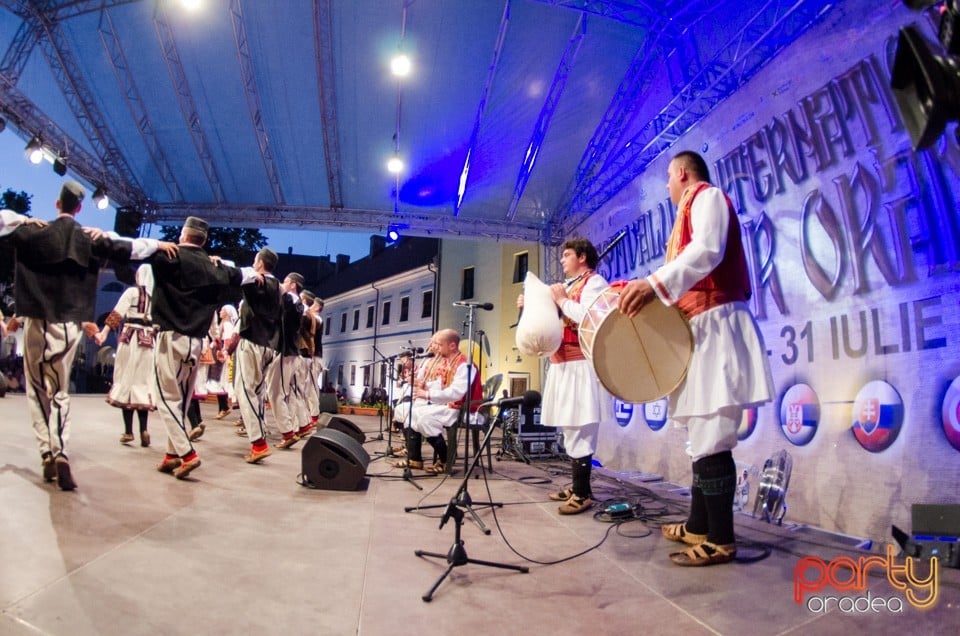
x=476, y=388
x=730, y=280
x=570, y=344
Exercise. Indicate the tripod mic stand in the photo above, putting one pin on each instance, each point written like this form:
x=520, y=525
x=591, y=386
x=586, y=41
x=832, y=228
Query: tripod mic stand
x=463, y=496
x=457, y=555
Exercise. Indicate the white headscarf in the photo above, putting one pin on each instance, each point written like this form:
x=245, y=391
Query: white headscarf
x=144, y=278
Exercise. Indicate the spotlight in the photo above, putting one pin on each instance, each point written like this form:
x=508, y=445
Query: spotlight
x=926, y=85
x=100, y=198
x=60, y=165
x=400, y=65
x=34, y=151
x=393, y=233
x=394, y=165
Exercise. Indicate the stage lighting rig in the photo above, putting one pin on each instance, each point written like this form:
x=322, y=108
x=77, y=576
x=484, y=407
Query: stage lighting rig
x=927, y=85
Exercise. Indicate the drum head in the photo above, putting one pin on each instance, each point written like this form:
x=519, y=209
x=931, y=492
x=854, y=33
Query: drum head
x=644, y=358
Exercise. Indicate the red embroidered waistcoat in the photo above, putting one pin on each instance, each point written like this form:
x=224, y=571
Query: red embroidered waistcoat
x=730, y=280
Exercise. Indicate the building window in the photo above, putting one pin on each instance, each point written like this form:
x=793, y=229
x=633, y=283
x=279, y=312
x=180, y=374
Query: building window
x=404, y=309
x=427, y=310
x=386, y=313
x=520, y=267
x=343, y=322
x=366, y=374
x=356, y=319
x=370, y=316
x=326, y=328
x=466, y=286
x=340, y=375
x=353, y=375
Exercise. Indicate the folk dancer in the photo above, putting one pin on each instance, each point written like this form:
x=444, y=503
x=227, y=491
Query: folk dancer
x=187, y=290
x=132, y=388
x=57, y=266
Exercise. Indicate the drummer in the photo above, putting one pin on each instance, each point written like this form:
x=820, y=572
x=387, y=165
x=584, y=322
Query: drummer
x=573, y=400
x=705, y=275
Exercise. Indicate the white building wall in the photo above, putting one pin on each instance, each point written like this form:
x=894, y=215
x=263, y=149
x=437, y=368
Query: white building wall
x=364, y=326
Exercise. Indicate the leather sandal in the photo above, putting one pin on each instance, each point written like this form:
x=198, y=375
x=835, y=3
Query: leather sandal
x=437, y=469
x=678, y=532
x=575, y=505
x=706, y=553
x=563, y=495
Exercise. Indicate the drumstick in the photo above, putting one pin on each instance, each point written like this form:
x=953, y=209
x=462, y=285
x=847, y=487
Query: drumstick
x=572, y=281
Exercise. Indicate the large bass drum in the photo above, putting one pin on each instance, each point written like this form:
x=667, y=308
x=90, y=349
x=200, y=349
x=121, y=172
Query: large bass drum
x=639, y=359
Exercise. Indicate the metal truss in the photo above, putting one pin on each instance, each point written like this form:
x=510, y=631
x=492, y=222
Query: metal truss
x=546, y=114
x=645, y=15
x=433, y=225
x=171, y=56
x=30, y=120
x=253, y=99
x=772, y=28
x=80, y=99
x=17, y=54
x=63, y=9
x=326, y=85
x=552, y=269
x=487, y=87
x=130, y=93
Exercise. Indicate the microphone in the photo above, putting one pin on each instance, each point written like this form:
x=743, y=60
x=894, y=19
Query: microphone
x=473, y=303
x=529, y=399
x=413, y=350
x=426, y=355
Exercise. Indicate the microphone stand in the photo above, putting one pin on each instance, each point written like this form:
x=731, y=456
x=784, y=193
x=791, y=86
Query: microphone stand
x=463, y=496
x=457, y=555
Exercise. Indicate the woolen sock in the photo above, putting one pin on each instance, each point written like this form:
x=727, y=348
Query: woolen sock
x=414, y=445
x=581, y=468
x=193, y=413
x=697, y=521
x=439, y=446
x=717, y=479
x=127, y=421
x=142, y=416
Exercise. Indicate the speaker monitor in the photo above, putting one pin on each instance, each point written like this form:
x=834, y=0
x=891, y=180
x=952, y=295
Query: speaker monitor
x=333, y=460
x=343, y=425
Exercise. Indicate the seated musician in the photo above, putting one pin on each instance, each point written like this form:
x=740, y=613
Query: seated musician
x=437, y=401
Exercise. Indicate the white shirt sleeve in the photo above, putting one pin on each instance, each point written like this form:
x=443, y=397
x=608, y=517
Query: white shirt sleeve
x=457, y=389
x=710, y=225
x=574, y=310
x=10, y=220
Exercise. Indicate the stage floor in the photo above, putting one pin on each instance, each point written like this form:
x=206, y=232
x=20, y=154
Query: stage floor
x=243, y=548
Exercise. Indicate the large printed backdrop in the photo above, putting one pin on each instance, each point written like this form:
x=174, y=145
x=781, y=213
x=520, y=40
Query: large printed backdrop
x=854, y=243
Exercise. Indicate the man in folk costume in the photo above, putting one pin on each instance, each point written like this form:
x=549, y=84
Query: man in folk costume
x=429, y=370
x=310, y=367
x=132, y=388
x=57, y=266
x=573, y=399
x=444, y=398
x=258, y=352
x=187, y=290
x=705, y=275
x=286, y=400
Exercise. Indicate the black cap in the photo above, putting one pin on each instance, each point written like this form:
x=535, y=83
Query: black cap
x=197, y=224
x=71, y=196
